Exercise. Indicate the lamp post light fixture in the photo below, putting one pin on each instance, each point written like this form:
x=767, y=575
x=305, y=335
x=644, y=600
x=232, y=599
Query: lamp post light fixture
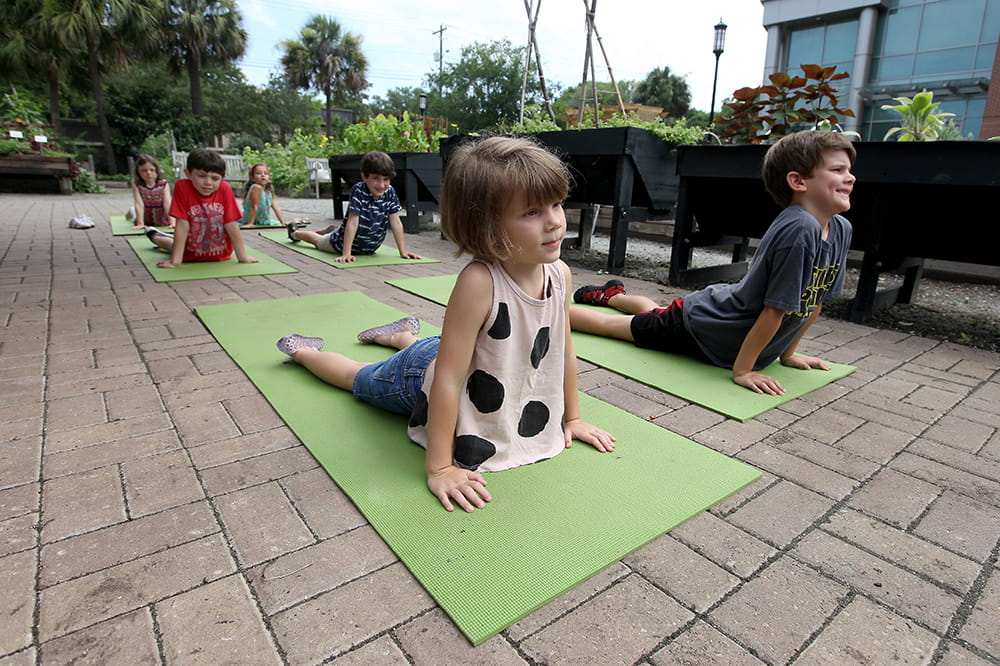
x=717, y=48
x=422, y=103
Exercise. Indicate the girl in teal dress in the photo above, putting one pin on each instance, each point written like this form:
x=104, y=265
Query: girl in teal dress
x=258, y=200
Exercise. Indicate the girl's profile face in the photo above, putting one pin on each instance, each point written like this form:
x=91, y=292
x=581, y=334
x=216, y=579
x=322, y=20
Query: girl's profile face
x=535, y=231
x=147, y=172
x=261, y=175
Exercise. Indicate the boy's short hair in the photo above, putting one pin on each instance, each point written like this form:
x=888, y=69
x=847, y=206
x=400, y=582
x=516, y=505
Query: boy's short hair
x=377, y=162
x=482, y=179
x=206, y=160
x=801, y=152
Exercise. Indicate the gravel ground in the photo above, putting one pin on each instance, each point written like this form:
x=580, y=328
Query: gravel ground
x=963, y=312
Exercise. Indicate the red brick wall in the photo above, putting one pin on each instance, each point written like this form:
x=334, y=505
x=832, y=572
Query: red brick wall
x=991, y=117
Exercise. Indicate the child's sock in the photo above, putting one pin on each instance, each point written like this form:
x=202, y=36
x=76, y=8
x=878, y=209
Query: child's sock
x=598, y=295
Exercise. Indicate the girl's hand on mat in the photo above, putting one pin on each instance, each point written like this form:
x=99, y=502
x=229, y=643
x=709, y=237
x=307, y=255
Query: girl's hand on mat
x=579, y=429
x=804, y=362
x=759, y=383
x=250, y=260
x=466, y=487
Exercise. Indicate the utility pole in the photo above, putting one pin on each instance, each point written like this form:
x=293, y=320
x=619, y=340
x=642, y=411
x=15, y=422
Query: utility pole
x=440, y=55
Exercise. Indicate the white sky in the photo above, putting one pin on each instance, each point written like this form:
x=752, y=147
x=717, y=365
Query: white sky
x=638, y=36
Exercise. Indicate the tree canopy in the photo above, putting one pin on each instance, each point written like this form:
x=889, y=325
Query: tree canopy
x=663, y=88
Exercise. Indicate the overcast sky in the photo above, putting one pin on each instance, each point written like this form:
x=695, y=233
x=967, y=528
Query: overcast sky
x=400, y=43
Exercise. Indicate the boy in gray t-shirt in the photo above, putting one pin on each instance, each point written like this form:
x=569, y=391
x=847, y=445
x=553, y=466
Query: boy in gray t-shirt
x=747, y=325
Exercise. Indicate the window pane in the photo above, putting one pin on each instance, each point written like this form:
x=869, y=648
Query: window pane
x=991, y=22
x=839, y=43
x=896, y=68
x=805, y=48
x=944, y=62
x=951, y=23
x=985, y=57
x=899, y=31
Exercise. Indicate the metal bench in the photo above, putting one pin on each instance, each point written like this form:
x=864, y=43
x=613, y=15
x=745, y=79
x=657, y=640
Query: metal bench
x=319, y=172
x=236, y=171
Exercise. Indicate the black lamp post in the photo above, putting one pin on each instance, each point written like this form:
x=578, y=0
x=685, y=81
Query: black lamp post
x=717, y=48
x=422, y=105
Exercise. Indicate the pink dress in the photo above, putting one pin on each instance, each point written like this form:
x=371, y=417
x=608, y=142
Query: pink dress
x=152, y=199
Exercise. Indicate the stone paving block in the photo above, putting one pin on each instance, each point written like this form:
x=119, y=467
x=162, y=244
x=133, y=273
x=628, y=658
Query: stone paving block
x=214, y=361
x=201, y=424
x=116, y=544
x=433, y=638
x=960, y=433
x=955, y=457
x=724, y=544
x=896, y=498
x=261, y=523
x=349, y=615
x=873, y=411
x=192, y=391
x=880, y=579
x=957, y=655
x=932, y=377
x=644, y=616
x=297, y=576
x=321, y=503
x=875, y=441
x=866, y=633
x=172, y=368
x=954, y=572
x=827, y=456
x=689, y=420
x=109, y=453
x=11, y=412
x=84, y=601
x=778, y=610
x=134, y=401
x=160, y=482
x=775, y=418
x=695, y=581
x=18, y=533
x=934, y=399
x=126, y=639
x=781, y=513
x=259, y=469
x=17, y=603
x=240, y=448
x=20, y=430
x=796, y=469
x=943, y=476
x=100, y=385
x=78, y=503
x=19, y=500
x=380, y=652
x=731, y=437
x=727, y=506
x=702, y=644
x=565, y=603
x=21, y=389
x=26, y=657
x=641, y=407
x=962, y=524
x=215, y=624
x=124, y=355
x=980, y=628
x=252, y=413
x=81, y=437
x=826, y=425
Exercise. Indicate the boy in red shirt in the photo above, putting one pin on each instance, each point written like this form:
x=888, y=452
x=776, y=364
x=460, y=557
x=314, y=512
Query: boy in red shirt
x=207, y=215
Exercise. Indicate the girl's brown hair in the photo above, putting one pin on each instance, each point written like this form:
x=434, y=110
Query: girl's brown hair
x=145, y=159
x=482, y=179
x=246, y=188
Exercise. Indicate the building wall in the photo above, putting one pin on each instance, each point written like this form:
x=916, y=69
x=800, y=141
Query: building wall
x=892, y=48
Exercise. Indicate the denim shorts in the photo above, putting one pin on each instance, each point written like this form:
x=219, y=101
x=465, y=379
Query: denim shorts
x=394, y=384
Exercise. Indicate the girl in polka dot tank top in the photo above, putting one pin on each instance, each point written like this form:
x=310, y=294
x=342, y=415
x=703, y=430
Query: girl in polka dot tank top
x=498, y=388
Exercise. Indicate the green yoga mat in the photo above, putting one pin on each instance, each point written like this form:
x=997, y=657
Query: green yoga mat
x=122, y=227
x=693, y=380
x=550, y=525
x=150, y=255
x=384, y=256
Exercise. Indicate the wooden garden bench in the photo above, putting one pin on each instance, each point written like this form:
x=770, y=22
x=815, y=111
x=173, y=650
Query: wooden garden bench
x=319, y=172
x=236, y=170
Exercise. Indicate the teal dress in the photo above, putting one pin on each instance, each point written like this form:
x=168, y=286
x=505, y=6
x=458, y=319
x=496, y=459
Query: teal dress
x=263, y=218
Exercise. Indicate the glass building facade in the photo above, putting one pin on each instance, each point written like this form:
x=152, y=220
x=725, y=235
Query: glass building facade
x=892, y=48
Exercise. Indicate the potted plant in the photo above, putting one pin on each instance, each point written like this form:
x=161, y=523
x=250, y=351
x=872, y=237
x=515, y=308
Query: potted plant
x=27, y=163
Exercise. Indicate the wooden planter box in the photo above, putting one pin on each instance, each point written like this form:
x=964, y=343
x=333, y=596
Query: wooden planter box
x=36, y=173
x=912, y=201
x=628, y=169
x=417, y=183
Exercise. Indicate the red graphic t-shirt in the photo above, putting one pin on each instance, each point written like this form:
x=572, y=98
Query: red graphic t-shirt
x=207, y=238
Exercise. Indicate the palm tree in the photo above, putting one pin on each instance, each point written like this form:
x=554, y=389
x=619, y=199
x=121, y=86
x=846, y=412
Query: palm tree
x=107, y=33
x=327, y=61
x=29, y=45
x=198, y=33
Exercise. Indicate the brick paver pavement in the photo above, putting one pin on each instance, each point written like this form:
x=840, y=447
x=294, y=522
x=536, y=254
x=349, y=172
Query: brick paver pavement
x=155, y=509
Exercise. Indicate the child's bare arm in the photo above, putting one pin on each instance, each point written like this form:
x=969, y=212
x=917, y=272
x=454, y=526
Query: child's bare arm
x=468, y=307
x=277, y=211
x=789, y=357
x=350, y=231
x=576, y=427
x=251, y=216
x=236, y=236
x=177, y=249
x=140, y=208
x=167, y=199
x=396, y=226
x=756, y=339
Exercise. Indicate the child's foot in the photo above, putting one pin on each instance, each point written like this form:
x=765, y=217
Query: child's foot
x=153, y=232
x=294, y=342
x=386, y=331
x=291, y=232
x=598, y=295
x=328, y=230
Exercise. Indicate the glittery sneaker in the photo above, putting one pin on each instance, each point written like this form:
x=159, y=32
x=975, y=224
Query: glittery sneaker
x=294, y=342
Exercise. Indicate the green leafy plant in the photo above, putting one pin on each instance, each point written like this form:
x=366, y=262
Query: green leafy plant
x=787, y=104
x=920, y=121
x=8, y=146
x=676, y=132
x=288, y=163
x=388, y=134
x=85, y=182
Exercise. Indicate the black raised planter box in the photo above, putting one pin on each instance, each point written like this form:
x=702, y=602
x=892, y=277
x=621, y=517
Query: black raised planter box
x=628, y=168
x=912, y=201
x=417, y=183
x=36, y=173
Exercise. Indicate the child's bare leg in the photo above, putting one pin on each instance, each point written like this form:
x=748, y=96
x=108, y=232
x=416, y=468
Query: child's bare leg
x=331, y=367
x=632, y=303
x=160, y=239
x=307, y=236
x=605, y=324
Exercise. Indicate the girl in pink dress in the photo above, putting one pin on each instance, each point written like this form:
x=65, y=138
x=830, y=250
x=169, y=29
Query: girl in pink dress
x=151, y=193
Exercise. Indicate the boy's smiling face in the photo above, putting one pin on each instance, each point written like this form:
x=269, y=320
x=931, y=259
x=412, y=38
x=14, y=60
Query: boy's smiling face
x=376, y=183
x=205, y=182
x=827, y=191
